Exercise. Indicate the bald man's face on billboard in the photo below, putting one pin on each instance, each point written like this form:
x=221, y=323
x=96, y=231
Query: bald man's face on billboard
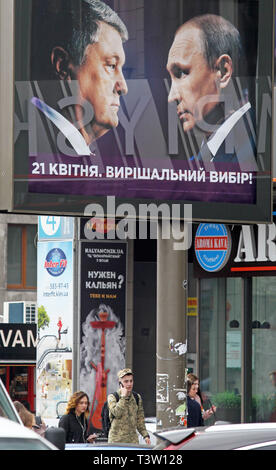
x=195, y=87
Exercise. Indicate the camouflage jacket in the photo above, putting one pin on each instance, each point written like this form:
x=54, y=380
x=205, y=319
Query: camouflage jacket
x=126, y=417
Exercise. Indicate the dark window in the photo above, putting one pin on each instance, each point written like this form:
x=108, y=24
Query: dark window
x=21, y=256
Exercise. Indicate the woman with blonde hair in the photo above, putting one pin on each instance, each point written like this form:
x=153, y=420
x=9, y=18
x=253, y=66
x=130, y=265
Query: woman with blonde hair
x=29, y=419
x=26, y=416
x=75, y=420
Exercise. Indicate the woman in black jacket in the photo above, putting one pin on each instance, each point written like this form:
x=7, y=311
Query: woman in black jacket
x=194, y=417
x=75, y=422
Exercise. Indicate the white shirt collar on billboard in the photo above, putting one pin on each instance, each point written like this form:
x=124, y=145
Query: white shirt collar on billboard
x=71, y=133
x=215, y=142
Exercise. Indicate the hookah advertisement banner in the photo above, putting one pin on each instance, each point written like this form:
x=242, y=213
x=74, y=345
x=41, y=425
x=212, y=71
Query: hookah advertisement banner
x=55, y=321
x=102, y=318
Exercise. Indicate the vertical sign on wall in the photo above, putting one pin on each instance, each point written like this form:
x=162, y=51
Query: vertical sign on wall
x=102, y=317
x=55, y=313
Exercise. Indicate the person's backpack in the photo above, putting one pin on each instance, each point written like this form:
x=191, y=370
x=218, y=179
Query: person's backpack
x=105, y=413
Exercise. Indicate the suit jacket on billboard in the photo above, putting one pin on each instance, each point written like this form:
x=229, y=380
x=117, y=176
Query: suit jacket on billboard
x=234, y=142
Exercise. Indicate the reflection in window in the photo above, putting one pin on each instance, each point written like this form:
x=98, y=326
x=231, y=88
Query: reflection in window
x=263, y=349
x=233, y=335
x=220, y=346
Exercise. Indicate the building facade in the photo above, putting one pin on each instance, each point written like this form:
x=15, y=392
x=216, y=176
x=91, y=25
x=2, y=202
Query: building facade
x=236, y=323
x=18, y=305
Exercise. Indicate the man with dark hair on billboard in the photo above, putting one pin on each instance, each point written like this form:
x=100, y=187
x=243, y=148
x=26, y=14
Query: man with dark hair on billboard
x=202, y=62
x=94, y=56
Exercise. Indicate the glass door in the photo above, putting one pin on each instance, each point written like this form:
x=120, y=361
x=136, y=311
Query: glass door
x=263, y=349
x=220, y=346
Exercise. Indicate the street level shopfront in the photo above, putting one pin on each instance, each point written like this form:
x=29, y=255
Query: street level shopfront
x=19, y=381
x=18, y=361
x=235, y=267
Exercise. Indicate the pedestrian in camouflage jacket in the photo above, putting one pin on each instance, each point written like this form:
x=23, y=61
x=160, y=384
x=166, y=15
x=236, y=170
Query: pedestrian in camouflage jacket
x=125, y=415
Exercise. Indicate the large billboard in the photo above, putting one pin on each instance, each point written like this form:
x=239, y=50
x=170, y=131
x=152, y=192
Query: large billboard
x=148, y=101
x=102, y=340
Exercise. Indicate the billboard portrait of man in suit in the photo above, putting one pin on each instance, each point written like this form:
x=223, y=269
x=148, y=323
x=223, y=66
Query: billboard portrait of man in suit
x=202, y=62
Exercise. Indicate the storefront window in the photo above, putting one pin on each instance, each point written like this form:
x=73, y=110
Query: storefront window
x=19, y=381
x=14, y=254
x=233, y=335
x=232, y=401
x=212, y=339
x=21, y=256
x=220, y=346
x=263, y=349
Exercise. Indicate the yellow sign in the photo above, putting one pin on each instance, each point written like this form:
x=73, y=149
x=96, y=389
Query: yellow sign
x=192, y=310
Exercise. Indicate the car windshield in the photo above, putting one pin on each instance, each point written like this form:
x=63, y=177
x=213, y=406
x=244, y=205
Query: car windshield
x=22, y=444
x=6, y=410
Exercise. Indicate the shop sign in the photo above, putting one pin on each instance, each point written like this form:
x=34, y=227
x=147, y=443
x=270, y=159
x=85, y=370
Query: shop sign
x=18, y=342
x=192, y=310
x=252, y=251
x=263, y=250
x=212, y=246
x=55, y=262
x=98, y=228
x=52, y=227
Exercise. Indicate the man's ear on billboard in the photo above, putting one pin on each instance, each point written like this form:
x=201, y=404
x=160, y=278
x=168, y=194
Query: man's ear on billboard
x=224, y=67
x=62, y=63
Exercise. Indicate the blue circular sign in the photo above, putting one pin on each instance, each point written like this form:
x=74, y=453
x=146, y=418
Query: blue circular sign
x=55, y=262
x=212, y=246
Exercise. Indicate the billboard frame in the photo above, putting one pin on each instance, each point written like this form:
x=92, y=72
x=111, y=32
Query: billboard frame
x=73, y=205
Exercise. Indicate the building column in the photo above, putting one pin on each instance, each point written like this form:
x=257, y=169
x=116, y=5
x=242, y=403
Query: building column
x=172, y=273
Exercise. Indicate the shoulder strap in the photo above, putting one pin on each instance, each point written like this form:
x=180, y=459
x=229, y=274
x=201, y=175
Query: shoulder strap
x=116, y=395
x=136, y=396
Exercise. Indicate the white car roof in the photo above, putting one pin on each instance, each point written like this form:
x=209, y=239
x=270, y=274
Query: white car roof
x=9, y=429
x=241, y=427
